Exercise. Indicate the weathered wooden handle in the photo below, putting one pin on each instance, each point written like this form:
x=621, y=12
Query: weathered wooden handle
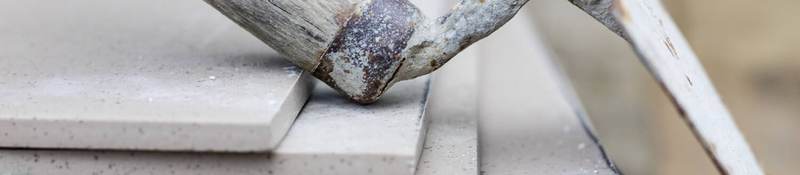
x=667, y=55
x=362, y=47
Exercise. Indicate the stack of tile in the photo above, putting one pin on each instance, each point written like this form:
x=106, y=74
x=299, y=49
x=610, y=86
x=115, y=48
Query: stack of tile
x=149, y=87
x=156, y=87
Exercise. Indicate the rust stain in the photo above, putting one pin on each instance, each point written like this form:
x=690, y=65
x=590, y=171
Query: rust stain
x=671, y=47
x=468, y=41
x=325, y=65
x=434, y=64
x=343, y=16
x=323, y=70
x=622, y=11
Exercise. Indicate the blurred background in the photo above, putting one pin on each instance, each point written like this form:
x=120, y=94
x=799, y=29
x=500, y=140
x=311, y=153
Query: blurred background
x=750, y=50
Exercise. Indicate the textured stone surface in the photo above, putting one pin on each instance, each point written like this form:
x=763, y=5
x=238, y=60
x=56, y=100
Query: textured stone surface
x=330, y=136
x=531, y=121
x=610, y=82
x=149, y=75
x=451, y=146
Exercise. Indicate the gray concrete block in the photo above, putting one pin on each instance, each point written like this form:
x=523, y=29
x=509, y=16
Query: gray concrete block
x=330, y=136
x=531, y=120
x=140, y=75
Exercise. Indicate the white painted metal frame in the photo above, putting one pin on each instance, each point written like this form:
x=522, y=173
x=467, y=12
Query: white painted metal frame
x=666, y=53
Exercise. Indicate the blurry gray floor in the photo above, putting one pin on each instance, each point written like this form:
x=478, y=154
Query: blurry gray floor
x=530, y=120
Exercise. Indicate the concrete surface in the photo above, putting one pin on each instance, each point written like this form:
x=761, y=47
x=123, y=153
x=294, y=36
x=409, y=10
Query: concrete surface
x=608, y=77
x=531, y=120
x=330, y=136
x=140, y=75
x=451, y=146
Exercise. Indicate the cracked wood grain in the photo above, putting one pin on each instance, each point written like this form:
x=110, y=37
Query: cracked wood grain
x=362, y=47
x=667, y=55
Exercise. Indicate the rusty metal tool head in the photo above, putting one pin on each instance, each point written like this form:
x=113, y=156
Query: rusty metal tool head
x=362, y=47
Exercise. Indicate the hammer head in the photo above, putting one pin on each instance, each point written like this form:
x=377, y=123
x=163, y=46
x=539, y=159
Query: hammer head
x=364, y=57
x=361, y=47
x=360, y=41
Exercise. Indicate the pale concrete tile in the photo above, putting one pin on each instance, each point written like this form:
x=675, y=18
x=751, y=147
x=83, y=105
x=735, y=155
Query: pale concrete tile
x=451, y=146
x=331, y=136
x=143, y=75
x=608, y=77
x=530, y=119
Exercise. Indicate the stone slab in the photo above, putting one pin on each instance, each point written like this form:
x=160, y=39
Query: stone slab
x=140, y=75
x=451, y=146
x=531, y=120
x=330, y=136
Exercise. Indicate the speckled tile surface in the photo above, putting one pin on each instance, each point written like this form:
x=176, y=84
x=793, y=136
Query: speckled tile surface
x=140, y=75
x=530, y=119
x=451, y=146
x=330, y=136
